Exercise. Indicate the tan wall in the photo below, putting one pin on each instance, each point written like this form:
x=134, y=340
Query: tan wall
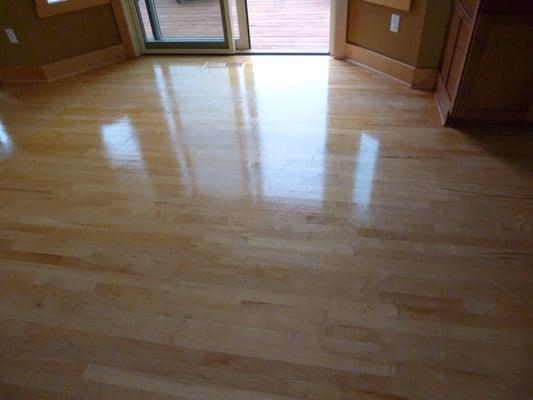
x=433, y=38
x=46, y=40
x=422, y=29
x=11, y=54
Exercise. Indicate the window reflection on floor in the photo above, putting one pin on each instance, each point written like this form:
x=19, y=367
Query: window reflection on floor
x=365, y=170
x=178, y=143
x=6, y=144
x=123, y=151
x=121, y=144
x=271, y=132
x=292, y=125
x=216, y=162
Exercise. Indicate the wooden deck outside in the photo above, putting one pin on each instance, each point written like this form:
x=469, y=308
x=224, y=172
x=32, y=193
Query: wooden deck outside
x=297, y=25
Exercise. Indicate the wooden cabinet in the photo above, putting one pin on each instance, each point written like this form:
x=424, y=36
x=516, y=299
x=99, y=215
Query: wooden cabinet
x=486, y=74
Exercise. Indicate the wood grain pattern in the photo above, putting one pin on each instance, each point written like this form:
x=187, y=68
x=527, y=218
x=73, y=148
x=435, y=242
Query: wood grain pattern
x=296, y=228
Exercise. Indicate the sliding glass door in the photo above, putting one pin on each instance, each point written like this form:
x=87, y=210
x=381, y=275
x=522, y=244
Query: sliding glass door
x=192, y=26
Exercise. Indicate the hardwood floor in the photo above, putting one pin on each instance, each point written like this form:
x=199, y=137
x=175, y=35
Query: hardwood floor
x=289, y=26
x=298, y=228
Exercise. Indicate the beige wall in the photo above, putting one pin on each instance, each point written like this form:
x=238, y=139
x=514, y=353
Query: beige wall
x=11, y=54
x=422, y=30
x=46, y=40
x=438, y=13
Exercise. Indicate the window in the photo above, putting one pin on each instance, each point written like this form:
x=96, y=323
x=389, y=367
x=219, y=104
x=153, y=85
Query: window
x=48, y=8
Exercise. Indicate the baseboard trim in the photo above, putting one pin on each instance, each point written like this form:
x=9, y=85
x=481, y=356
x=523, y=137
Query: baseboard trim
x=424, y=79
x=64, y=68
x=22, y=73
x=417, y=78
x=379, y=62
x=85, y=62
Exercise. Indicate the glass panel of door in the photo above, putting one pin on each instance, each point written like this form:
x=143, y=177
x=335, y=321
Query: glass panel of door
x=193, y=24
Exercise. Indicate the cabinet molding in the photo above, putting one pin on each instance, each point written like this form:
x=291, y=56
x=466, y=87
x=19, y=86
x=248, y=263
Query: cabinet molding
x=404, y=5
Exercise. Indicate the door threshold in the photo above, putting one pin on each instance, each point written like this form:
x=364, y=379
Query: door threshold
x=280, y=53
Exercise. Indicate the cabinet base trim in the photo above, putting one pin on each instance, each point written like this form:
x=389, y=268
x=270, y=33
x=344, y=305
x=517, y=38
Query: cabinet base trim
x=64, y=68
x=22, y=73
x=417, y=78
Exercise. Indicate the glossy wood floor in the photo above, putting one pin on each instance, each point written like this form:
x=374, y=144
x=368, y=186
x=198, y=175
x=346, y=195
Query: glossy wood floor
x=299, y=228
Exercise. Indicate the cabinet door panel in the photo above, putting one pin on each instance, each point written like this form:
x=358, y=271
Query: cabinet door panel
x=455, y=53
x=449, y=50
x=470, y=6
x=460, y=53
x=498, y=79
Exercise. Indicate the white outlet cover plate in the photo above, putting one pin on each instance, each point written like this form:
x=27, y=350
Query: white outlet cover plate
x=395, y=23
x=11, y=36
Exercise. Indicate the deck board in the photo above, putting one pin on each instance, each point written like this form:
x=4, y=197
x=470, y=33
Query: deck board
x=295, y=26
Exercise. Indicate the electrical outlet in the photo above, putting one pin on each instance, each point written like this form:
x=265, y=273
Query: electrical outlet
x=11, y=36
x=395, y=23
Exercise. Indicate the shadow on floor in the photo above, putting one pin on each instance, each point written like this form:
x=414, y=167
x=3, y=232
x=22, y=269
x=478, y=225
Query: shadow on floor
x=513, y=145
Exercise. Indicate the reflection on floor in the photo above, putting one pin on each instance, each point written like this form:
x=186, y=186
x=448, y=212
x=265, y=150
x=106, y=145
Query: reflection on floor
x=298, y=228
x=287, y=26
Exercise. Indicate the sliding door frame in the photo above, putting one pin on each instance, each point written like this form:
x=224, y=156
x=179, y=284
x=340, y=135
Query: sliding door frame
x=243, y=42
x=338, y=26
x=195, y=46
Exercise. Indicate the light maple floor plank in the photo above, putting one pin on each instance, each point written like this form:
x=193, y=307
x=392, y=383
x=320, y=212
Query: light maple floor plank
x=297, y=228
